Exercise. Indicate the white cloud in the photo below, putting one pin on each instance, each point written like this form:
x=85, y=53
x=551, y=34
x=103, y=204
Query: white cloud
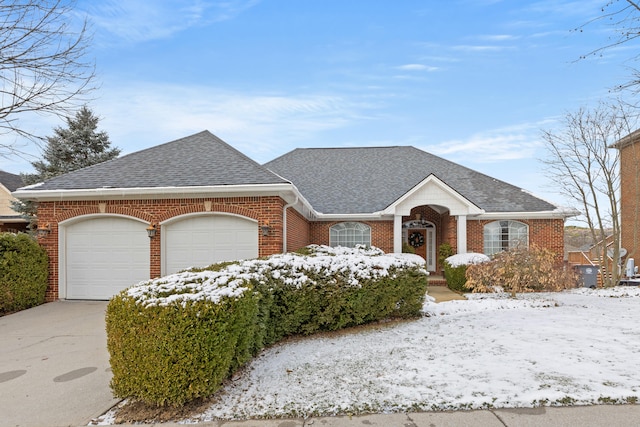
x=498, y=37
x=260, y=125
x=138, y=20
x=417, y=67
x=510, y=143
x=480, y=48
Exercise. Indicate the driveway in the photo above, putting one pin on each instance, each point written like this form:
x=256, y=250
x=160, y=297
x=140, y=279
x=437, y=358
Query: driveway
x=54, y=365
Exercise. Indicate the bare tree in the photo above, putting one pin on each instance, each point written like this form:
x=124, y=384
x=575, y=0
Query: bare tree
x=42, y=64
x=623, y=17
x=586, y=168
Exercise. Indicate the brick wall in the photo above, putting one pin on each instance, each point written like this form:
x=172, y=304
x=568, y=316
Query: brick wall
x=298, y=230
x=545, y=233
x=630, y=197
x=381, y=233
x=266, y=210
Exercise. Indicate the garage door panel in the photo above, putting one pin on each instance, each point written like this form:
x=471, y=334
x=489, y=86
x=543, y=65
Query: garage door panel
x=104, y=256
x=203, y=240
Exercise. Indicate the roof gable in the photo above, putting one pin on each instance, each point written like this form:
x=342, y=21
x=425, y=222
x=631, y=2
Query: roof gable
x=370, y=179
x=432, y=191
x=201, y=159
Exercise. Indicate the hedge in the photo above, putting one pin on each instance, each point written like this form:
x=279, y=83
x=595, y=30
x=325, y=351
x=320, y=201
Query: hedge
x=455, y=269
x=177, y=338
x=24, y=269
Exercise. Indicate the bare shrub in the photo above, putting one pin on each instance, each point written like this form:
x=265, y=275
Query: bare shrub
x=521, y=270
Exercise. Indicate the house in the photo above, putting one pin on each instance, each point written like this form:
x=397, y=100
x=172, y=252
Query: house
x=197, y=200
x=10, y=220
x=630, y=193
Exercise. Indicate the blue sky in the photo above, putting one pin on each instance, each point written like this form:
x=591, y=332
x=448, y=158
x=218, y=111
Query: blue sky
x=473, y=81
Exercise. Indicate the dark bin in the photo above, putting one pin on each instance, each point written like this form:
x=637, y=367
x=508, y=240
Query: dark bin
x=589, y=275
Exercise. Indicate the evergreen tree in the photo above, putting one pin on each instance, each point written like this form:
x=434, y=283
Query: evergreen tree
x=78, y=145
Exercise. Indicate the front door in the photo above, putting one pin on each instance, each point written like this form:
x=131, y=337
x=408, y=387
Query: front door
x=418, y=240
x=423, y=241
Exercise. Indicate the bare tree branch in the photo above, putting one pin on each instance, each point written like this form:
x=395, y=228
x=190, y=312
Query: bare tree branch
x=623, y=16
x=42, y=65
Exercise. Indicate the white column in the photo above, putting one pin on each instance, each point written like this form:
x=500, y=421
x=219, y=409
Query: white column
x=462, y=234
x=397, y=234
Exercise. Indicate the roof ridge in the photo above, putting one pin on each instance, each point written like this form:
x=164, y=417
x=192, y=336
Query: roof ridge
x=367, y=147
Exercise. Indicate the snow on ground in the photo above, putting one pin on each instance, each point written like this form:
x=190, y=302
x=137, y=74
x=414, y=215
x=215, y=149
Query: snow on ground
x=576, y=347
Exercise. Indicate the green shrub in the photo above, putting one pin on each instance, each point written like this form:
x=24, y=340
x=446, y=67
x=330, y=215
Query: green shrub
x=24, y=270
x=328, y=305
x=521, y=270
x=444, y=251
x=175, y=339
x=408, y=249
x=456, y=277
x=455, y=269
x=174, y=353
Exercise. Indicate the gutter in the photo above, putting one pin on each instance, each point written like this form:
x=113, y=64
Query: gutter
x=107, y=193
x=557, y=213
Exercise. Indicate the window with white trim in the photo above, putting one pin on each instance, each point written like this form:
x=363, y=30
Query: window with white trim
x=504, y=235
x=350, y=234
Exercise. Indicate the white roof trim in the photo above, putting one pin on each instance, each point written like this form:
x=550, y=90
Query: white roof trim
x=557, y=213
x=107, y=193
x=287, y=191
x=471, y=207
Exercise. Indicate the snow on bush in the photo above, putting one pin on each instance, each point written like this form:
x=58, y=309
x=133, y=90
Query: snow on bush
x=466, y=259
x=175, y=339
x=455, y=269
x=351, y=265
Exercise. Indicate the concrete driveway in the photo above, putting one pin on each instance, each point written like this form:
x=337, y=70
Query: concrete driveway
x=54, y=365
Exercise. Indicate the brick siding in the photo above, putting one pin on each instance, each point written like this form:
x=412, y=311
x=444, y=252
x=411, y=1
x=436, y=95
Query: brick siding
x=630, y=198
x=298, y=230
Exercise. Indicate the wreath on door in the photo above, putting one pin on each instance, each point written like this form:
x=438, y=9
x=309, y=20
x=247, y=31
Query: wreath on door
x=416, y=239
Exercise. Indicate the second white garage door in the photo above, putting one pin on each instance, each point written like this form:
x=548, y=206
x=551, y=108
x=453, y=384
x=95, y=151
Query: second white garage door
x=198, y=241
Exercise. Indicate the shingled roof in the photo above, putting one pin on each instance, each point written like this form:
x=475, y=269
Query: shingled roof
x=201, y=159
x=369, y=179
x=11, y=181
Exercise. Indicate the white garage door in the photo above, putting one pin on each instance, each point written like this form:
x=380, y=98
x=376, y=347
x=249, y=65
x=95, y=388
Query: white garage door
x=104, y=256
x=199, y=241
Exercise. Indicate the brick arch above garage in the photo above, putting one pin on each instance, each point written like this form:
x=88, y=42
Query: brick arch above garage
x=207, y=206
x=101, y=208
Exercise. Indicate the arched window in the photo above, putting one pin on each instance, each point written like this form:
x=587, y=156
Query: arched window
x=350, y=234
x=504, y=235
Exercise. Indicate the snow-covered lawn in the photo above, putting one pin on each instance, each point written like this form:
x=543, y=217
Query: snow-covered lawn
x=576, y=347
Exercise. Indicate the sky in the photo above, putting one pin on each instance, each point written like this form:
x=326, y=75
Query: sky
x=472, y=81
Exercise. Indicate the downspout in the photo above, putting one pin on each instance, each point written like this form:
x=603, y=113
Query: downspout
x=284, y=224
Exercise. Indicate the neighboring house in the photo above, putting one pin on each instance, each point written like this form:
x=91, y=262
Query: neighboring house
x=630, y=193
x=202, y=201
x=10, y=220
